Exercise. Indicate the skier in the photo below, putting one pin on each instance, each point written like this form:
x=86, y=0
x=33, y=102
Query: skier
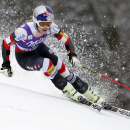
x=32, y=54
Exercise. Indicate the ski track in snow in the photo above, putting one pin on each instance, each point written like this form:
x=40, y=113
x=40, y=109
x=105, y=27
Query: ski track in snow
x=22, y=109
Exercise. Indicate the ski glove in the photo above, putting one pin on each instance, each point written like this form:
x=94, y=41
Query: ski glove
x=74, y=60
x=6, y=69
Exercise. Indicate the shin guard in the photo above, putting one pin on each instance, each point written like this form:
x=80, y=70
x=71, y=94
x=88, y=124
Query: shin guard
x=59, y=81
x=77, y=83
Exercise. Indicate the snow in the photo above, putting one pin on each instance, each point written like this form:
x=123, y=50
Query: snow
x=45, y=107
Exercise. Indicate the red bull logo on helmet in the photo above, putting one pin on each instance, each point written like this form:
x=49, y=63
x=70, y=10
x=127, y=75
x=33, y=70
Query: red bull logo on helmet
x=46, y=13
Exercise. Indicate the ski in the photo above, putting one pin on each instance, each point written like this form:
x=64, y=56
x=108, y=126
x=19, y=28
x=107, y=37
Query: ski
x=119, y=111
x=90, y=104
x=116, y=110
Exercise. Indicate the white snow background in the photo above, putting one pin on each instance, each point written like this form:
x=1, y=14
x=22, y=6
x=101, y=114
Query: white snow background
x=29, y=101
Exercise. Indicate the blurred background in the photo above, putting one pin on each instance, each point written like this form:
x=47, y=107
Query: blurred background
x=99, y=30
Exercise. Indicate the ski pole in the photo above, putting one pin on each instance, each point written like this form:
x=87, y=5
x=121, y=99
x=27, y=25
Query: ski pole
x=104, y=76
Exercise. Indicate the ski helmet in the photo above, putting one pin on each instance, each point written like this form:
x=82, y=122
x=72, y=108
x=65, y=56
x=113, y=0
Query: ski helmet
x=43, y=14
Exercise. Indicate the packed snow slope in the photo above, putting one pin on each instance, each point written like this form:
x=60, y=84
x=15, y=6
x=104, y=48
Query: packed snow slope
x=43, y=107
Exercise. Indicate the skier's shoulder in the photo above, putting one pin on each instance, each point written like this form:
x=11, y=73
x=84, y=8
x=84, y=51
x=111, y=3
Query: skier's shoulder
x=54, y=28
x=20, y=33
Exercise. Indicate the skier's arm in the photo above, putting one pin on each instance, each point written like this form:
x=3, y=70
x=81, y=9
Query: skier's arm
x=60, y=35
x=6, y=47
x=19, y=34
x=6, y=68
x=66, y=41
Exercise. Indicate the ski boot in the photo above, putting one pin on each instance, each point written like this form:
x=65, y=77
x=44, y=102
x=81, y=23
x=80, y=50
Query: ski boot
x=89, y=95
x=72, y=92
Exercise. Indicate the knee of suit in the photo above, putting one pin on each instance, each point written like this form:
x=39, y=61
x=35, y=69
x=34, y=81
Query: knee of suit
x=48, y=68
x=59, y=81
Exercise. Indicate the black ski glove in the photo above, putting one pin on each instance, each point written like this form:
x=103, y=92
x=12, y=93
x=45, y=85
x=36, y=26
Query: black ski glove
x=6, y=69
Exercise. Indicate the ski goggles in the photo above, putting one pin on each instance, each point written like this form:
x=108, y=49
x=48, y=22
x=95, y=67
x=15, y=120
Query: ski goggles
x=44, y=24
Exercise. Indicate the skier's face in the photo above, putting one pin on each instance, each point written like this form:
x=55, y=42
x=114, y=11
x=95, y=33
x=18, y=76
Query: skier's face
x=43, y=30
x=43, y=27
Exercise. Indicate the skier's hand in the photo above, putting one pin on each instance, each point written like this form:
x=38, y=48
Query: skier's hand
x=6, y=69
x=74, y=60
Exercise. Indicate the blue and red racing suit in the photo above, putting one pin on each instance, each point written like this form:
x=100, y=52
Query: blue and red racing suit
x=32, y=54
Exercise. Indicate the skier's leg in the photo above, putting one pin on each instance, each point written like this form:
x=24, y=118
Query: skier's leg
x=77, y=83
x=61, y=83
x=46, y=52
x=58, y=80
